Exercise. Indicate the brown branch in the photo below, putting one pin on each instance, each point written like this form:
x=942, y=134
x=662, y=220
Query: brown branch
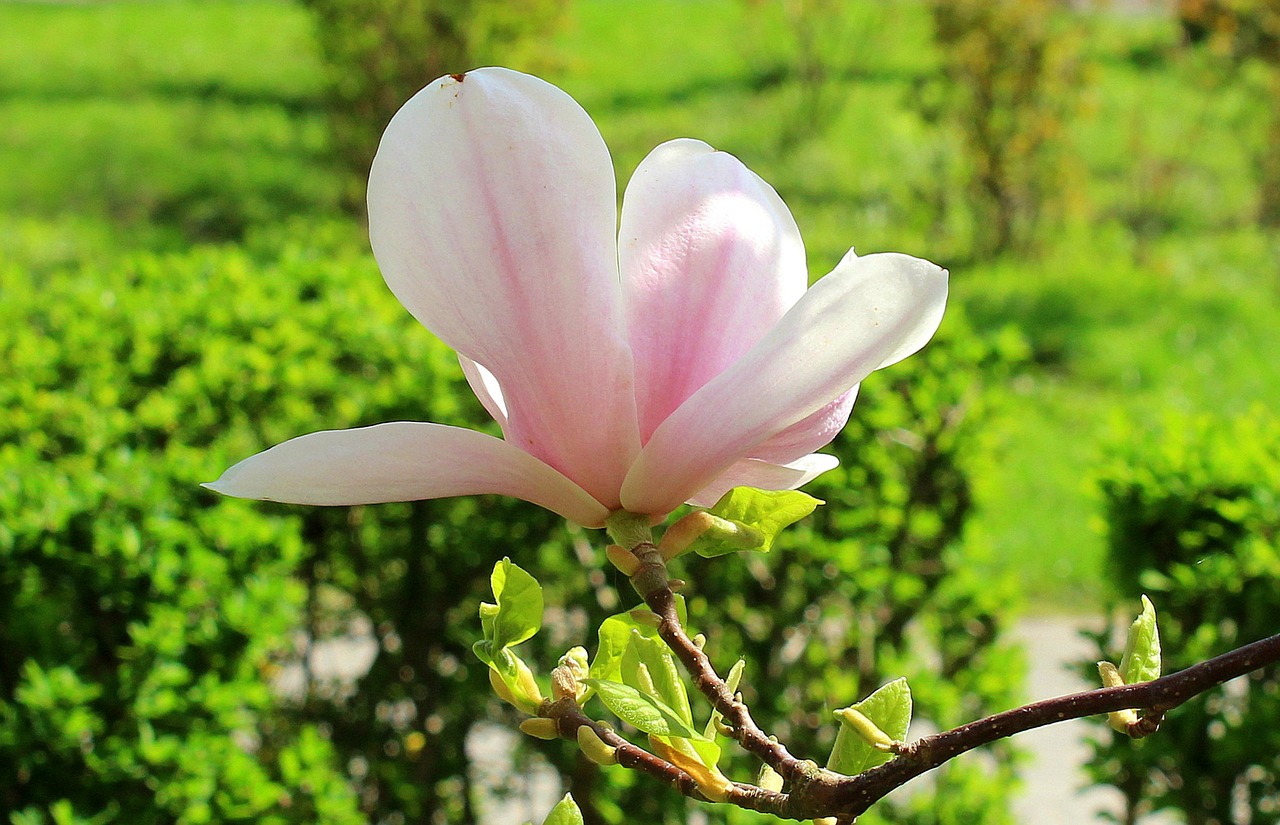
x=568, y=717
x=1153, y=698
x=653, y=586
x=814, y=792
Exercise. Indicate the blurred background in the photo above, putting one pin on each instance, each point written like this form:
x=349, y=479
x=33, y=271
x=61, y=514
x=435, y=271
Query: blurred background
x=185, y=280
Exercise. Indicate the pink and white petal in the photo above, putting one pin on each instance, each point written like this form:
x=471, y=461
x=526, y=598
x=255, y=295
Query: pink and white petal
x=492, y=213
x=710, y=259
x=404, y=461
x=764, y=475
x=486, y=388
x=812, y=433
x=866, y=313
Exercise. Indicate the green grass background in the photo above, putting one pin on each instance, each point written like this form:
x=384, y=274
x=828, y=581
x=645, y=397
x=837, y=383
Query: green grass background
x=156, y=125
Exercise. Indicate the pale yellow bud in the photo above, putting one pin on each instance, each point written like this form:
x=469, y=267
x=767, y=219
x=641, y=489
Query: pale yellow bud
x=714, y=785
x=623, y=559
x=1119, y=720
x=594, y=748
x=867, y=729
x=540, y=728
x=769, y=779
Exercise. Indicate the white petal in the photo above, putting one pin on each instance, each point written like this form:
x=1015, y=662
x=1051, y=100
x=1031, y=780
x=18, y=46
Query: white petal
x=812, y=433
x=710, y=258
x=492, y=212
x=486, y=388
x=403, y=461
x=763, y=475
x=868, y=312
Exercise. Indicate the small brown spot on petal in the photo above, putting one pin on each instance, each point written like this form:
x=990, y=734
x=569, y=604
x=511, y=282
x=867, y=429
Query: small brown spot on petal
x=460, y=76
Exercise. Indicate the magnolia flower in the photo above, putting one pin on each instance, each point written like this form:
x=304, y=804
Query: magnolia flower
x=633, y=369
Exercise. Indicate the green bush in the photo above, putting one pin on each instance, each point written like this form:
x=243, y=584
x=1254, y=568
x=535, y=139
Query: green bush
x=1193, y=521
x=151, y=620
x=1009, y=79
x=380, y=52
x=142, y=618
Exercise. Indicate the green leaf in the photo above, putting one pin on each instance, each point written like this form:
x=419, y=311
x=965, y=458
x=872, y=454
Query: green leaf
x=888, y=709
x=1141, y=662
x=706, y=751
x=518, y=613
x=488, y=613
x=751, y=519
x=615, y=637
x=731, y=681
x=651, y=653
x=565, y=812
x=645, y=713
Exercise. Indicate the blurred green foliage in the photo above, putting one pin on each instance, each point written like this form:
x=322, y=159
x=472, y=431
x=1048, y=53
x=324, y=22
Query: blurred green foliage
x=153, y=628
x=153, y=621
x=1193, y=521
x=378, y=53
x=1011, y=80
x=143, y=621
x=1243, y=36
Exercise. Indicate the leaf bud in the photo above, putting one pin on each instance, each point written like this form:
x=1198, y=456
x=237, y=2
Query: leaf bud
x=566, y=678
x=646, y=617
x=623, y=559
x=594, y=748
x=540, y=728
x=528, y=685
x=867, y=729
x=769, y=779
x=1119, y=720
x=680, y=536
x=714, y=785
x=500, y=687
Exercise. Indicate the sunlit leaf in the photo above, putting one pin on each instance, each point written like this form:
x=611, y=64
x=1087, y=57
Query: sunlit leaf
x=565, y=812
x=615, y=636
x=889, y=711
x=751, y=519
x=1141, y=662
x=519, y=609
x=664, y=674
x=643, y=712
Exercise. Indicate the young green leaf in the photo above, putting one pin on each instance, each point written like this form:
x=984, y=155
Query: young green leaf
x=651, y=653
x=888, y=711
x=731, y=681
x=643, y=712
x=565, y=812
x=751, y=519
x=615, y=637
x=519, y=609
x=697, y=757
x=1141, y=662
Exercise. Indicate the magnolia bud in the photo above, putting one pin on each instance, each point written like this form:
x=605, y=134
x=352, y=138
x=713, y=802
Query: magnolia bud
x=714, y=785
x=567, y=678
x=594, y=748
x=540, y=728
x=623, y=559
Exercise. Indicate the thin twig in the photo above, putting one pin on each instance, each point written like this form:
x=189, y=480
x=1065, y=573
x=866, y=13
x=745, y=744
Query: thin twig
x=661, y=600
x=568, y=717
x=1155, y=698
x=814, y=792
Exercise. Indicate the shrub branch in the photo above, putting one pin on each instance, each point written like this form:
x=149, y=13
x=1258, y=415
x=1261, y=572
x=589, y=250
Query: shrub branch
x=812, y=792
